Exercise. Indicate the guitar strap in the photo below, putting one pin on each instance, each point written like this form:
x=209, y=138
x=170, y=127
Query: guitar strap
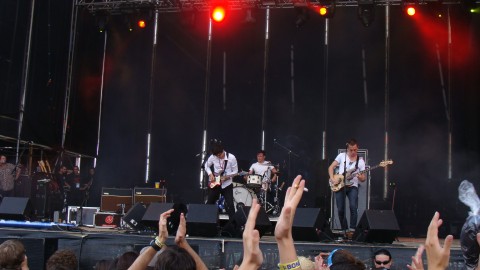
x=225, y=164
x=356, y=164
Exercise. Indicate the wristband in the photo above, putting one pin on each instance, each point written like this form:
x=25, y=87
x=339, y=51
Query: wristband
x=156, y=244
x=290, y=266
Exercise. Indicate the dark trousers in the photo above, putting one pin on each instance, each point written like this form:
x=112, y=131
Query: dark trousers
x=227, y=193
x=352, y=194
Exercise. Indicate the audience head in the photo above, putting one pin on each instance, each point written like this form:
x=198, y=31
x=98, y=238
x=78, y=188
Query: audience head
x=12, y=254
x=102, y=264
x=382, y=259
x=175, y=258
x=126, y=260
x=62, y=259
x=341, y=259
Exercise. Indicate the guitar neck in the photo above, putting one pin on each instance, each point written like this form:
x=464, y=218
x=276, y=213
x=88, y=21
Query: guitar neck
x=364, y=171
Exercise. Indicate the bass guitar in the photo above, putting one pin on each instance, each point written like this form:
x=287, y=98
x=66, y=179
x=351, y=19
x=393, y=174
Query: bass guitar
x=341, y=182
x=220, y=178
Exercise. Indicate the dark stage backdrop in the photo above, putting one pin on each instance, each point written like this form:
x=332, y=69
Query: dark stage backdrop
x=417, y=127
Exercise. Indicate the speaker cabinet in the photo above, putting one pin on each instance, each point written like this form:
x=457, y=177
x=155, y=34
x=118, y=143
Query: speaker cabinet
x=134, y=216
x=235, y=227
x=310, y=224
x=377, y=226
x=16, y=208
x=202, y=220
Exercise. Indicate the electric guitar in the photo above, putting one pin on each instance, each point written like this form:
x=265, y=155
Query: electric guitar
x=352, y=174
x=220, y=178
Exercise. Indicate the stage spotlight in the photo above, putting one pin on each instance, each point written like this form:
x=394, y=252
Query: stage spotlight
x=410, y=10
x=218, y=13
x=409, y=7
x=366, y=12
x=327, y=8
x=142, y=23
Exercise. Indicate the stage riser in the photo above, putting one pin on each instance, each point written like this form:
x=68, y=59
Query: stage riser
x=91, y=247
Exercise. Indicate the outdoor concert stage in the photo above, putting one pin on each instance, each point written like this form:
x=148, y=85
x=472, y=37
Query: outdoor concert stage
x=92, y=244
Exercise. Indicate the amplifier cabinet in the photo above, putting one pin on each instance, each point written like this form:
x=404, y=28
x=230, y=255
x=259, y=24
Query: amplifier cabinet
x=149, y=195
x=114, y=198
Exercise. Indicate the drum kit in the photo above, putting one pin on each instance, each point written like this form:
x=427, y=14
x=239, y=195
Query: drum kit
x=257, y=187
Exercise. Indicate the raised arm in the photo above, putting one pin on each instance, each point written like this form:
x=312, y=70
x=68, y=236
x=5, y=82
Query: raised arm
x=437, y=256
x=158, y=243
x=252, y=255
x=283, y=229
x=181, y=241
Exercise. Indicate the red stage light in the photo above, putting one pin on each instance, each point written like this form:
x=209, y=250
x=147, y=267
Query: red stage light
x=218, y=13
x=142, y=24
x=323, y=11
x=410, y=11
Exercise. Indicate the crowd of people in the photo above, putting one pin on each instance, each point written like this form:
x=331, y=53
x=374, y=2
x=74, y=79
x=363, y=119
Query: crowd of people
x=182, y=256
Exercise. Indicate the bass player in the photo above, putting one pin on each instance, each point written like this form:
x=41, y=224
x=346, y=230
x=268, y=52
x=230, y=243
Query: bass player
x=351, y=161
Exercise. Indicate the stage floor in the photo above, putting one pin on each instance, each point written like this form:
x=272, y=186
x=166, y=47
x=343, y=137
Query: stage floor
x=92, y=244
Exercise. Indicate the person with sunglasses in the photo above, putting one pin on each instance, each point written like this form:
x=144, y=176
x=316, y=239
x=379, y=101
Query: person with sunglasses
x=382, y=259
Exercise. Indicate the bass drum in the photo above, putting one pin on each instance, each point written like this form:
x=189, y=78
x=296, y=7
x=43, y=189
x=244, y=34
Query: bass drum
x=242, y=196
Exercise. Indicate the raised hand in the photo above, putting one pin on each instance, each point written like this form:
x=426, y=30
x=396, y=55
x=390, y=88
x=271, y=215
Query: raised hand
x=181, y=231
x=162, y=225
x=283, y=229
x=417, y=262
x=437, y=256
x=252, y=255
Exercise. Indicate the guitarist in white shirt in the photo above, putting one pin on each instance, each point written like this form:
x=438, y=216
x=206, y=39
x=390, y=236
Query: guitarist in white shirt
x=353, y=163
x=224, y=168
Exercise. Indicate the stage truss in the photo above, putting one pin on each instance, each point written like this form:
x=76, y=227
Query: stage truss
x=125, y=6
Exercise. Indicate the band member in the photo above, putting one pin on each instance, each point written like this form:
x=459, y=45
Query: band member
x=224, y=167
x=351, y=160
x=77, y=188
x=263, y=168
x=9, y=173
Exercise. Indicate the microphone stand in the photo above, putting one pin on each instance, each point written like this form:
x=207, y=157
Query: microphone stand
x=204, y=187
x=290, y=154
x=344, y=220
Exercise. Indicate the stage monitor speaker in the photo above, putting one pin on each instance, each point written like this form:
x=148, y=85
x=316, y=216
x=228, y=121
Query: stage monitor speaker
x=202, y=220
x=16, y=208
x=235, y=228
x=134, y=216
x=310, y=224
x=377, y=226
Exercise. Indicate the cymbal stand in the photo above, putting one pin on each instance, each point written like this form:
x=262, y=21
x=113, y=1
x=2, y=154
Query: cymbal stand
x=268, y=206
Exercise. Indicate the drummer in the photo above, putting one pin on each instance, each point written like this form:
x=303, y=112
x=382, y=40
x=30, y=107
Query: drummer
x=264, y=169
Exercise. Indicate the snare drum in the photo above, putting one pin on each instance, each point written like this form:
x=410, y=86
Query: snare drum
x=254, y=181
x=243, y=195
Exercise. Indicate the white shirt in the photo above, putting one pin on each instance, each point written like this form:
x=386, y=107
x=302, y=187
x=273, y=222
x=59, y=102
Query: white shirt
x=350, y=166
x=218, y=167
x=263, y=169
